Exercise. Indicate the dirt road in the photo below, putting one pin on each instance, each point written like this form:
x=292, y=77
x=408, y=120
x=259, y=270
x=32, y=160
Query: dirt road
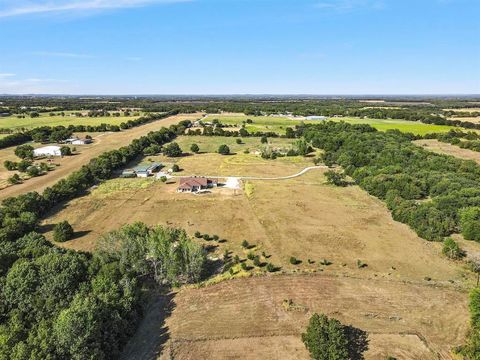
x=102, y=142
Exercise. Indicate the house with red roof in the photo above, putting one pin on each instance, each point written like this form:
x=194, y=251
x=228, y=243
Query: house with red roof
x=196, y=183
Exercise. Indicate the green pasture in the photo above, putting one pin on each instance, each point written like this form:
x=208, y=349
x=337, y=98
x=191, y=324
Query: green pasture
x=13, y=122
x=278, y=124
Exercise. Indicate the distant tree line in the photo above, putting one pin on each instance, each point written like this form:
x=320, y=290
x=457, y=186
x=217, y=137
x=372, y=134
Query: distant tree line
x=46, y=134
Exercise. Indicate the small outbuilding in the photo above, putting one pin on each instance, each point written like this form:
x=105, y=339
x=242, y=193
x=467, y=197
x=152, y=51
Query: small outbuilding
x=316, y=118
x=47, y=151
x=78, y=141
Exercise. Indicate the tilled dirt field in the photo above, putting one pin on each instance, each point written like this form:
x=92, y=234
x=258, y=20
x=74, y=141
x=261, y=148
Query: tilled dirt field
x=246, y=318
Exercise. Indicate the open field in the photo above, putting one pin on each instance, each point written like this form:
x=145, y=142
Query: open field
x=245, y=318
x=12, y=122
x=448, y=149
x=468, y=109
x=475, y=120
x=102, y=142
x=301, y=217
x=278, y=124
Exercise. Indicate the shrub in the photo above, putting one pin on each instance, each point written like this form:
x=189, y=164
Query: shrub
x=256, y=261
x=198, y=234
x=194, y=148
x=244, y=266
x=163, y=179
x=65, y=151
x=451, y=249
x=14, y=179
x=294, y=260
x=33, y=171
x=223, y=150
x=10, y=165
x=175, y=168
x=62, y=232
x=361, y=264
x=236, y=259
x=239, y=141
x=245, y=244
x=264, y=140
x=23, y=165
x=250, y=256
x=270, y=267
x=335, y=178
x=215, y=237
x=206, y=237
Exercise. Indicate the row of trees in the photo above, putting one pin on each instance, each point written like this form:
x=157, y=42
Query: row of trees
x=56, y=303
x=46, y=134
x=435, y=195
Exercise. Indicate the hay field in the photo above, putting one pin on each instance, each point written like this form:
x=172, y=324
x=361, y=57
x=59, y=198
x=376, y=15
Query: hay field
x=12, y=122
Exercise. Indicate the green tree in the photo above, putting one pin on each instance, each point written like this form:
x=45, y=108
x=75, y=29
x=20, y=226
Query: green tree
x=172, y=150
x=238, y=141
x=65, y=151
x=264, y=140
x=326, y=339
x=175, y=168
x=10, y=165
x=24, y=151
x=451, y=249
x=470, y=223
x=195, y=148
x=62, y=231
x=336, y=178
x=223, y=150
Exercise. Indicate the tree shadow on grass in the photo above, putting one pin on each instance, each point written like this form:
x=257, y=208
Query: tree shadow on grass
x=152, y=334
x=358, y=340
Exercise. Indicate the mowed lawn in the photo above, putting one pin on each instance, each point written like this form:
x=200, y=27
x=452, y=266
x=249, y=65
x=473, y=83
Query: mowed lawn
x=12, y=122
x=279, y=124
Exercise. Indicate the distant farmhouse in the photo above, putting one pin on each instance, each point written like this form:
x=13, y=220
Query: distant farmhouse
x=316, y=117
x=142, y=170
x=5, y=114
x=47, y=151
x=78, y=141
x=194, y=184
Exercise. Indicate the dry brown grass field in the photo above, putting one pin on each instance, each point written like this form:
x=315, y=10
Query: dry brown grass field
x=448, y=149
x=102, y=142
x=246, y=319
x=410, y=298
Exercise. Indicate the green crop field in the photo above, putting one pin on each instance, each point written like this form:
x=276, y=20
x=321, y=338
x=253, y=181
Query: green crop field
x=12, y=122
x=278, y=124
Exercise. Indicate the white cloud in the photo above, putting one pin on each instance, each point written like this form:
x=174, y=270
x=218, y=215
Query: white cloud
x=348, y=5
x=11, y=85
x=18, y=8
x=62, y=54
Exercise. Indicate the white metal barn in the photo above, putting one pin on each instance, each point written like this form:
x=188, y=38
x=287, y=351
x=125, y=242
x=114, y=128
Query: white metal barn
x=47, y=151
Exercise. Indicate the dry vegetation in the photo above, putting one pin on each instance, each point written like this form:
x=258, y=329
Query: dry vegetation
x=448, y=149
x=406, y=296
x=102, y=142
x=245, y=319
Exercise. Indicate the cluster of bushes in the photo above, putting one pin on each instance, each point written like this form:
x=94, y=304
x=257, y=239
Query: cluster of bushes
x=436, y=195
x=465, y=140
x=218, y=131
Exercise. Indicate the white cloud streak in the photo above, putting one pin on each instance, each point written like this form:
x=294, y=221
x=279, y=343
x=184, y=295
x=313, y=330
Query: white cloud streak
x=63, y=54
x=349, y=5
x=19, y=8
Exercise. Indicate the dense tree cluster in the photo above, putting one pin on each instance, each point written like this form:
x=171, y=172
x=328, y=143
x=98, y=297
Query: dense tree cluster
x=60, y=304
x=427, y=191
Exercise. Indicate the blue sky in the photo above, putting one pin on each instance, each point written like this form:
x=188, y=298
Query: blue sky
x=240, y=46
